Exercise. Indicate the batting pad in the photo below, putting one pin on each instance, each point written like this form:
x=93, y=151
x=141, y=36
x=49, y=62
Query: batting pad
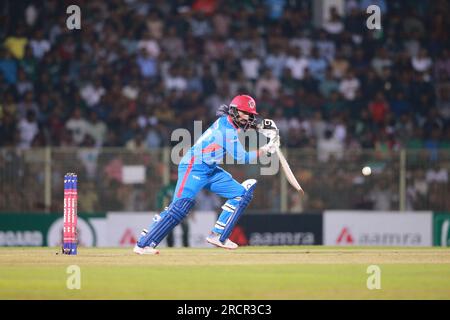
x=240, y=207
x=176, y=212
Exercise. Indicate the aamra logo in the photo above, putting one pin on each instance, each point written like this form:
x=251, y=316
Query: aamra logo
x=345, y=237
x=238, y=236
x=128, y=238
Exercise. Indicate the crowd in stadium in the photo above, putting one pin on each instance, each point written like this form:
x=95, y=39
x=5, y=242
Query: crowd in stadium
x=139, y=69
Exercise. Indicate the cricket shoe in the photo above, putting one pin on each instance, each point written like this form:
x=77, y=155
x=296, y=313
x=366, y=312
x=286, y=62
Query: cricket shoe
x=145, y=250
x=214, y=239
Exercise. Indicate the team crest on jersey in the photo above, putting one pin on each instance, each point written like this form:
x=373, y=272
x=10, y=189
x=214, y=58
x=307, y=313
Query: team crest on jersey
x=251, y=104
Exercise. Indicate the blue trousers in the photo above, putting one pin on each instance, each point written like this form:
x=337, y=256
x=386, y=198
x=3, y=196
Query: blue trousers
x=193, y=177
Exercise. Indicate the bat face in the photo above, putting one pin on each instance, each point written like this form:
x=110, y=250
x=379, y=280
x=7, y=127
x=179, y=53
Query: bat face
x=269, y=129
x=288, y=172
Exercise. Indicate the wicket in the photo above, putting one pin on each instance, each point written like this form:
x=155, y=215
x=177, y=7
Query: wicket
x=70, y=239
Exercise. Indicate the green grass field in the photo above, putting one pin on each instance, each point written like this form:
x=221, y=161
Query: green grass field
x=292, y=272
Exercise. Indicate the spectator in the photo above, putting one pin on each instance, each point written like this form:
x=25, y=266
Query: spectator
x=443, y=105
x=340, y=130
x=309, y=83
x=175, y=80
x=147, y=64
x=354, y=20
x=421, y=62
x=334, y=25
x=222, y=22
x=23, y=84
x=96, y=129
x=149, y=45
x=155, y=25
x=297, y=63
x=442, y=66
x=432, y=121
x=194, y=82
x=16, y=43
x=55, y=125
x=90, y=199
x=339, y=66
x=28, y=129
x=436, y=174
x=417, y=190
x=28, y=104
x=381, y=61
x=131, y=90
x=172, y=44
x=275, y=8
x=318, y=126
x=276, y=61
x=200, y=26
x=214, y=48
x=349, y=86
x=304, y=42
x=431, y=143
x=327, y=48
x=268, y=82
x=379, y=108
x=381, y=196
x=92, y=92
x=317, y=65
x=208, y=81
x=250, y=65
x=29, y=64
x=328, y=84
x=39, y=45
x=77, y=126
x=333, y=105
x=136, y=144
x=153, y=138
x=412, y=24
x=359, y=63
x=8, y=67
x=329, y=146
x=8, y=130
x=400, y=105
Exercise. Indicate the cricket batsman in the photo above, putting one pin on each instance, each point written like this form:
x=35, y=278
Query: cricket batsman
x=198, y=169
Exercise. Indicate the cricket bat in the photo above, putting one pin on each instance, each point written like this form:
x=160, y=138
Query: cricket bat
x=269, y=129
x=288, y=172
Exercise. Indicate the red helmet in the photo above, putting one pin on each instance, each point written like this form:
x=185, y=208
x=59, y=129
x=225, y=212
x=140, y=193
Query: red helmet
x=244, y=103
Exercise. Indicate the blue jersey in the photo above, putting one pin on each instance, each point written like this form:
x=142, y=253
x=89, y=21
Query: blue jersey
x=219, y=139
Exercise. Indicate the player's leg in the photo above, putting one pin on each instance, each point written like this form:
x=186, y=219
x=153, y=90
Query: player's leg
x=191, y=179
x=239, y=196
x=170, y=235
